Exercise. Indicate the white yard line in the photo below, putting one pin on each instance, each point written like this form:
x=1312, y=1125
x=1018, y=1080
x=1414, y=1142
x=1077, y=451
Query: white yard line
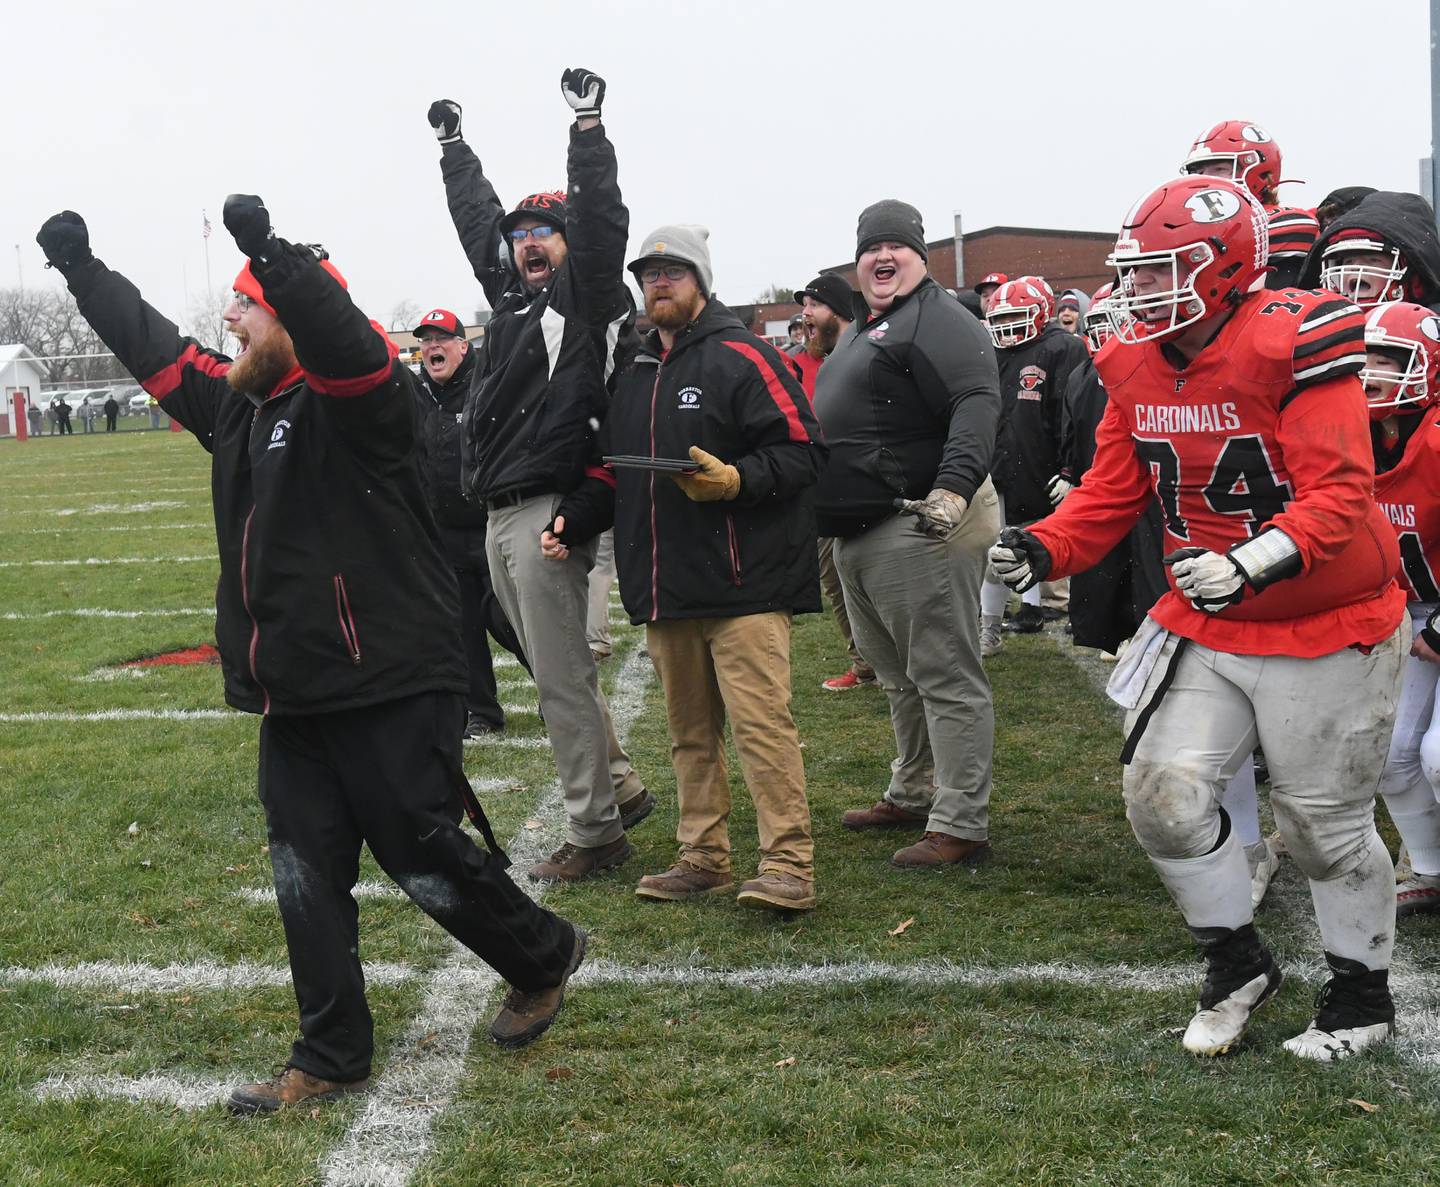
x=117, y=508
x=199, y=976
x=90, y=529
x=127, y=715
x=265, y=895
x=392, y=1136
x=109, y=494
x=178, y=1092
x=188, y=612
x=113, y=560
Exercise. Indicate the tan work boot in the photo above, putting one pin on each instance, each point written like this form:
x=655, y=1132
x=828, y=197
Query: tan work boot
x=882, y=815
x=291, y=1087
x=575, y=863
x=525, y=1016
x=783, y=892
x=682, y=881
x=941, y=849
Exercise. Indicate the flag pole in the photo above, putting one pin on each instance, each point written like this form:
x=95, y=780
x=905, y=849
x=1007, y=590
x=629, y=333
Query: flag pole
x=209, y=288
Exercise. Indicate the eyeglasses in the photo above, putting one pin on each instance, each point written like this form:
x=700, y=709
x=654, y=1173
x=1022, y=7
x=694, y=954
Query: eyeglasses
x=543, y=231
x=671, y=271
x=242, y=302
x=428, y=338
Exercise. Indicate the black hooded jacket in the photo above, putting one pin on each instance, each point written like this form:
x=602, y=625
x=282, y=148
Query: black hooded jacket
x=540, y=383
x=735, y=396
x=1405, y=220
x=461, y=520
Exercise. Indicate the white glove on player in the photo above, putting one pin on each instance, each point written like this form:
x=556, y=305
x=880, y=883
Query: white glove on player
x=938, y=514
x=1058, y=489
x=584, y=91
x=1211, y=581
x=1019, y=559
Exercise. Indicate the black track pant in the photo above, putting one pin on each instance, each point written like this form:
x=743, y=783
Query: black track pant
x=385, y=775
x=480, y=613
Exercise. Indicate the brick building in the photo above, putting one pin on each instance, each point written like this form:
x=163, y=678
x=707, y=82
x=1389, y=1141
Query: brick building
x=1067, y=259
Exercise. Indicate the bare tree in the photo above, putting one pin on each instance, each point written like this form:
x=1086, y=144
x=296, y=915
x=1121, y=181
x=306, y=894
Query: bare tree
x=50, y=324
x=404, y=315
x=205, y=322
x=778, y=294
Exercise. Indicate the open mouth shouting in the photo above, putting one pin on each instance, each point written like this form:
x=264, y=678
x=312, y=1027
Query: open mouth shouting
x=533, y=265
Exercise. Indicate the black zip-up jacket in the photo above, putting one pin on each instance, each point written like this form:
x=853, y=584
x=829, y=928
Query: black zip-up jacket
x=540, y=385
x=1405, y=220
x=461, y=521
x=909, y=401
x=1033, y=378
x=736, y=397
x=333, y=593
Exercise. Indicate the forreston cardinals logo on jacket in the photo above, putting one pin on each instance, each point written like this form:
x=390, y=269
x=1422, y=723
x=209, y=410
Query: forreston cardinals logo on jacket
x=689, y=398
x=1212, y=206
x=1031, y=380
x=277, y=435
x=879, y=331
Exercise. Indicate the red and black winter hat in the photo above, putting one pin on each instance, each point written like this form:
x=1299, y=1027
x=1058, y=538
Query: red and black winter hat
x=442, y=320
x=247, y=283
x=548, y=207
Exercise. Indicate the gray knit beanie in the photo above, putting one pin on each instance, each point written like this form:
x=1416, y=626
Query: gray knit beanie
x=684, y=242
x=890, y=221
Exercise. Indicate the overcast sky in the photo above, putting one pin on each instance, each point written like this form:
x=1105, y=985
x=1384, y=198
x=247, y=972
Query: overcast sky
x=772, y=123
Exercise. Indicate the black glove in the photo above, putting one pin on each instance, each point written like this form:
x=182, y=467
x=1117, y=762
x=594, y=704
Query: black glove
x=444, y=117
x=1020, y=560
x=584, y=91
x=65, y=240
x=249, y=222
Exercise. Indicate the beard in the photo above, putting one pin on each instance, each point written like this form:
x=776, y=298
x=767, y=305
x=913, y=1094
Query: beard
x=822, y=342
x=673, y=312
x=263, y=365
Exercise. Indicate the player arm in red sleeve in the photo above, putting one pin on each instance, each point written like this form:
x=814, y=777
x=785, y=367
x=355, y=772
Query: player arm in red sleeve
x=1096, y=515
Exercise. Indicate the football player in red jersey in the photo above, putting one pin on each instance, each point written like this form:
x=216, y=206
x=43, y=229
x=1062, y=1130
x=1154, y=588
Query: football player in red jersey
x=1241, y=410
x=1402, y=384
x=1247, y=154
x=1383, y=248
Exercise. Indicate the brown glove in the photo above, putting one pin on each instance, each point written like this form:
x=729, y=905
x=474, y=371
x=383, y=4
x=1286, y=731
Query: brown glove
x=714, y=480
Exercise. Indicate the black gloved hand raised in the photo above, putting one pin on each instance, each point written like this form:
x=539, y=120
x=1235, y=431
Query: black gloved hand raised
x=444, y=117
x=584, y=90
x=249, y=222
x=65, y=240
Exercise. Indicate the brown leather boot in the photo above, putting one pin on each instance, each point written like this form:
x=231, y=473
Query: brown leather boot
x=291, y=1087
x=574, y=863
x=526, y=1015
x=635, y=809
x=941, y=849
x=882, y=815
x=780, y=892
x=682, y=881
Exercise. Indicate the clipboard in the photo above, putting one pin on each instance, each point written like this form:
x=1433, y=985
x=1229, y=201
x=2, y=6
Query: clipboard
x=662, y=465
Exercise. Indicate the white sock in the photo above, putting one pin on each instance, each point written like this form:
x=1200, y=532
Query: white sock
x=1356, y=911
x=993, y=596
x=1213, y=890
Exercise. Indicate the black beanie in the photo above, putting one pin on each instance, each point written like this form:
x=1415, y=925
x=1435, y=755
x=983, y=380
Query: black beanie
x=890, y=221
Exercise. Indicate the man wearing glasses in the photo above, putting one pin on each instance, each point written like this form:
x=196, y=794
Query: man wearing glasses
x=714, y=548
x=552, y=270
x=335, y=616
x=447, y=363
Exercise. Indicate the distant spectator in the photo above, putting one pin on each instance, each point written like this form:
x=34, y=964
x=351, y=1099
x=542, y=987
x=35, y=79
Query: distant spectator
x=87, y=414
x=154, y=408
x=796, y=345
x=986, y=287
x=35, y=418
x=112, y=410
x=52, y=418
x=62, y=416
x=1068, y=312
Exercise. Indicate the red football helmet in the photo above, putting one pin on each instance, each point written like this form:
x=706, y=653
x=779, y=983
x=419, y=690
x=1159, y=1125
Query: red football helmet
x=1186, y=252
x=1410, y=333
x=1241, y=151
x=1370, y=283
x=1018, y=312
x=1043, y=287
x=1098, y=327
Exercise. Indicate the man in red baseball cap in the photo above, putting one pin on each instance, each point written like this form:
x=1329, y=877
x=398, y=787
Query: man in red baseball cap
x=985, y=289
x=447, y=364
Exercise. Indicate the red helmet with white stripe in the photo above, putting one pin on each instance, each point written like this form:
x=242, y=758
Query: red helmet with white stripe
x=1097, y=318
x=1043, y=286
x=1187, y=251
x=1410, y=335
x=1017, y=313
x=1240, y=151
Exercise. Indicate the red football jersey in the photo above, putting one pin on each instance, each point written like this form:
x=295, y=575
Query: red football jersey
x=1267, y=426
x=1409, y=495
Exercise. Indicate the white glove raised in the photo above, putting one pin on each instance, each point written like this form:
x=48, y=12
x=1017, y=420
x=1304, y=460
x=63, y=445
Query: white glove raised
x=584, y=90
x=938, y=514
x=1057, y=490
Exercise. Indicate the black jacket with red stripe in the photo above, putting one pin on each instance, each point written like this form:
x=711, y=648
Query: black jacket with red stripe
x=736, y=397
x=540, y=385
x=333, y=592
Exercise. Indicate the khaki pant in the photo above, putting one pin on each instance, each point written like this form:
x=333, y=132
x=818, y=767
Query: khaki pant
x=835, y=591
x=913, y=602
x=546, y=602
x=711, y=667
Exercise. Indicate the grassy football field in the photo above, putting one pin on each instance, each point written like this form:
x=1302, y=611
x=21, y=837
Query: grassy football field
x=1016, y=1023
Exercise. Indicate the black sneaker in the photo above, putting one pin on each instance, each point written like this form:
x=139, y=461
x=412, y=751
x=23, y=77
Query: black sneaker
x=1353, y=1011
x=1029, y=621
x=1240, y=976
x=478, y=727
